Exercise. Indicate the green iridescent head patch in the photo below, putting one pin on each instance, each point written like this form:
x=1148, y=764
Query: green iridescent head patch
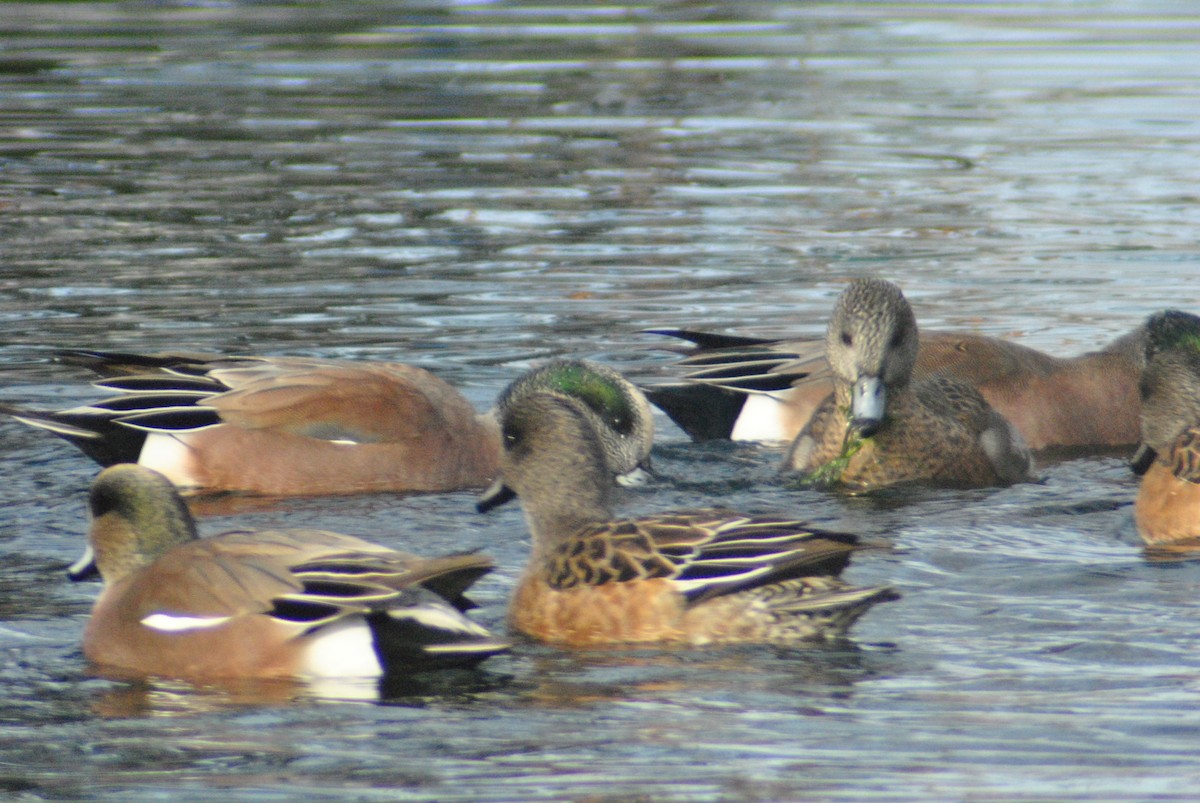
x=1173, y=329
x=589, y=384
x=595, y=390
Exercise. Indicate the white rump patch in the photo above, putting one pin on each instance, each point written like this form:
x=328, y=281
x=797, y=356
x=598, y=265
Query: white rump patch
x=169, y=455
x=345, y=648
x=173, y=623
x=761, y=419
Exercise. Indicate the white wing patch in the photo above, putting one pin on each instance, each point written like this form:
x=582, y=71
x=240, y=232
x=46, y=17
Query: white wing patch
x=172, y=623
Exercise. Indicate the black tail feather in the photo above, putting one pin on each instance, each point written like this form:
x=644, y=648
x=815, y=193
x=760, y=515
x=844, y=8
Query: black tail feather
x=704, y=412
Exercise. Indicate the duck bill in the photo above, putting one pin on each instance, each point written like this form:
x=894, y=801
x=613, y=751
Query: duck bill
x=639, y=475
x=85, y=567
x=1142, y=459
x=868, y=402
x=496, y=495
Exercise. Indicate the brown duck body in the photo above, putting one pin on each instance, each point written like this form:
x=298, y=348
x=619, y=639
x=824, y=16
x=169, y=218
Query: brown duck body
x=932, y=435
x=1167, y=509
x=299, y=426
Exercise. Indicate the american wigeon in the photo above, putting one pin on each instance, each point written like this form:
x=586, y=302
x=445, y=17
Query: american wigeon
x=269, y=604
x=765, y=390
x=287, y=425
x=617, y=410
x=1168, y=502
x=881, y=427
x=690, y=577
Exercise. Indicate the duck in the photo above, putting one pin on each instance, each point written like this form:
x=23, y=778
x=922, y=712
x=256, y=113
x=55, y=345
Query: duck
x=881, y=427
x=751, y=389
x=283, y=426
x=272, y=604
x=1167, y=507
x=706, y=576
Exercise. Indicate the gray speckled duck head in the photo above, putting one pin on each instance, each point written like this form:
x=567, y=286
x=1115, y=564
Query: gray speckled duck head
x=1170, y=385
x=871, y=345
x=618, y=412
x=554, y=461
x=143, y=518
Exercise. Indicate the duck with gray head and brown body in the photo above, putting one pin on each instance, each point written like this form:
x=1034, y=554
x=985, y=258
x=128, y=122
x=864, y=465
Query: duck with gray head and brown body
x=708, y=576
x=880, y=427
x=296, y=604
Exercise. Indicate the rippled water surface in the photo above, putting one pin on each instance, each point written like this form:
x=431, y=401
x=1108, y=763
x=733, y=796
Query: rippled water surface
x=473, y=187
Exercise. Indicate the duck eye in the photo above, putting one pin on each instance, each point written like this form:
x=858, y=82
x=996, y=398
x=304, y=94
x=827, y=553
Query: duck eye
x=511, y=435
x=621, y=423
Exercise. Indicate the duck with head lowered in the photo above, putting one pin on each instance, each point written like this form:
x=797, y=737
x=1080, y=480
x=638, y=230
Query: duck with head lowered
x=302, y=426
x=296, y=604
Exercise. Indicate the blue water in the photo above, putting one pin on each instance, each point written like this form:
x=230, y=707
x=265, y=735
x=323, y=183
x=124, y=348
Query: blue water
x=472, y=187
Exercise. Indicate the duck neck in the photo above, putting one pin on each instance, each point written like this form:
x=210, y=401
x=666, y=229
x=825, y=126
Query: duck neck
x=573, y=509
